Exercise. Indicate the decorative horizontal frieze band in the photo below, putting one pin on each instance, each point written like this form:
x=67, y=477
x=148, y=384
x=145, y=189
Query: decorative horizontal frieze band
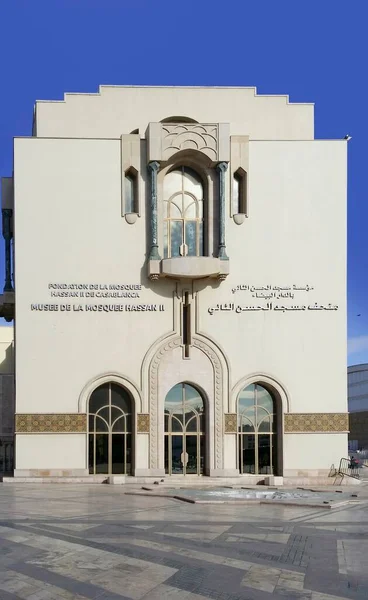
x=231, y=423
x=77, y=423
x=316, y=422
x=51, y=423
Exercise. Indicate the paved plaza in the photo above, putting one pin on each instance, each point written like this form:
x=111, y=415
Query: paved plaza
x=66, y=541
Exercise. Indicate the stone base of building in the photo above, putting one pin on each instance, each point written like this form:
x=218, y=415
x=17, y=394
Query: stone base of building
x=147, y=473
x=309, y=472
x=53, y=473
x=273, y=480
x=309, y=478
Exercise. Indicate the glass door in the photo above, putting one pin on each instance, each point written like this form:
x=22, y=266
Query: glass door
x=184, y=431
x=257, y=436
x=110, y=430
x=177, y=455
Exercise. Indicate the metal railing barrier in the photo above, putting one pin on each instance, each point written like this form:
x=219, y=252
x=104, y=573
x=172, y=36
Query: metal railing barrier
x=349, y=467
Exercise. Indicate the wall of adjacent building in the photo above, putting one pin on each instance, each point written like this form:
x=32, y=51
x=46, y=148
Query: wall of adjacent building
x=7, y=408
x=358, y=387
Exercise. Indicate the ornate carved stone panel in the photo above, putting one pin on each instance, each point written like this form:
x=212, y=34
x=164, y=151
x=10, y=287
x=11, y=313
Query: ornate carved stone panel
x=219, y=423
x=316, y=422
x=153, y=398
x=143, y=423
x=231, y=423
x=51, y=423
x=188, y=136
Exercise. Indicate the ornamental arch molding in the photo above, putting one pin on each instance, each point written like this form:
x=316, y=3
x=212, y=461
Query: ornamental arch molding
x=203, y=137
x=220, y=394
x=109, y=378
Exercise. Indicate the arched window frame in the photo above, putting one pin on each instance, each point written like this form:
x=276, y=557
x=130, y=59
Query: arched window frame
x=244, y=416
x=239, y=194
x=131, y=191
x=119, y=422
x=201, y=165
x=175, y=212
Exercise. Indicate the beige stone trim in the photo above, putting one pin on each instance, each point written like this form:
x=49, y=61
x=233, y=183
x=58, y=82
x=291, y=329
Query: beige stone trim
x=51, y=423
x=231, y=423
x=143, y=423
x=316, y=422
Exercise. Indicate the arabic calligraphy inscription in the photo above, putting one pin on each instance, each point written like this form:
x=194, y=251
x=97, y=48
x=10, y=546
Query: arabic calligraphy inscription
x=272, y=294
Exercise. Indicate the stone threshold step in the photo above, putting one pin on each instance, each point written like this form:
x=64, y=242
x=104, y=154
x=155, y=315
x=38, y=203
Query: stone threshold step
x=190, y=482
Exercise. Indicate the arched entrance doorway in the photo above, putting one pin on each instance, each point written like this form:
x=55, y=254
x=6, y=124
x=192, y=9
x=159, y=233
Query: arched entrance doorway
x=184, y=431
x=257, y=431
x=110, y=430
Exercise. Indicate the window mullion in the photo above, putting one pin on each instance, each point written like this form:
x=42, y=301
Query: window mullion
x=169, y=236
x=271, y=457
x=109, y=438
x=94, y=452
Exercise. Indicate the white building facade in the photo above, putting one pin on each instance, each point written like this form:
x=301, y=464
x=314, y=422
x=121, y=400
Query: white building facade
x=180, y=286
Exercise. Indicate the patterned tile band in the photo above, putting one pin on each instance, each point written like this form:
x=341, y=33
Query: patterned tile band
x=77, y=423
x=231, y=423
x=143, y=423
x=313, y=422
x=45, y=423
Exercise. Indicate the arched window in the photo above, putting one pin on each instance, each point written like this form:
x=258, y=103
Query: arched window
x=110, y=430
x=240, y=192
x=184, y=431
x=256, y=431
x=131, y=196
x=183, y=213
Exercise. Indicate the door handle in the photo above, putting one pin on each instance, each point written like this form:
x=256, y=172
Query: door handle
x=184, y=458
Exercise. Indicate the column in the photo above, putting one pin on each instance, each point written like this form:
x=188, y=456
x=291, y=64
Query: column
x=7, y=234
x=153, y=168
x=221, y=169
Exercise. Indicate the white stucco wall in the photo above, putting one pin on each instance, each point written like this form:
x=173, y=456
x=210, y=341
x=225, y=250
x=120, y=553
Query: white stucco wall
x=51, y=451
x=79, y=237
x=313, y=453
x=295, y=234
x=100, y=115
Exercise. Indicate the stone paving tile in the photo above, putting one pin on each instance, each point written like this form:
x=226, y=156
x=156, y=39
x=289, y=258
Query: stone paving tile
x=167, y=592
x=96, y=542
x=28, y=588
x=8, y=595
x=68, y=584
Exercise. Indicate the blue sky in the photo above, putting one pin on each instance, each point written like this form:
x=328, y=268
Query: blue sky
x=313, y=50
